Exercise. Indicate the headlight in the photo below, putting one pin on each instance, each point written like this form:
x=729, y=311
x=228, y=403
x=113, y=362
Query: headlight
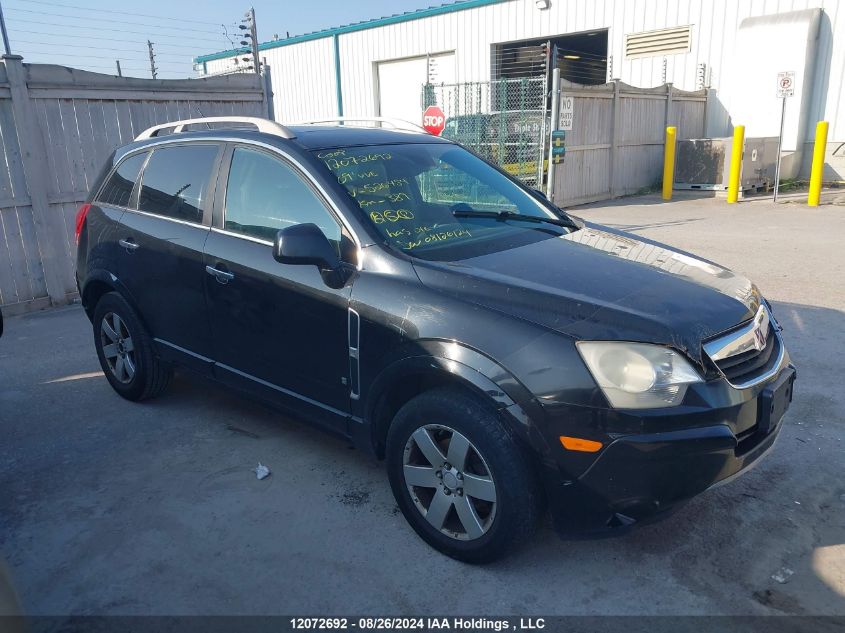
x=638, y=375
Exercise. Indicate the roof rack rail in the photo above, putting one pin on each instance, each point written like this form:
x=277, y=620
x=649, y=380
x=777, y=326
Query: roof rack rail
x=262, y=125
x=397, y=123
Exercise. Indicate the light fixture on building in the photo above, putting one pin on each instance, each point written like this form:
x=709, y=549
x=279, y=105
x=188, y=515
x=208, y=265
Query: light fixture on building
x=572, y=57
x=543, y=4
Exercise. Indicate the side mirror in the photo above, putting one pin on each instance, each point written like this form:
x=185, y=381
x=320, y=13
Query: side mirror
x=305, y=244
x=540, y=194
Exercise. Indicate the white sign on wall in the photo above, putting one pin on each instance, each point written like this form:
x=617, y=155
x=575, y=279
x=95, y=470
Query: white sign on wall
x=786, y=84
x=567, y=113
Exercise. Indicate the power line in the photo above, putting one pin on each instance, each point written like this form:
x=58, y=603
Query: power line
x=103, y=57
x=99, y=19
x=133, y=68
x=139, y=73
x=110, y=50
x=105, y=39
x=141, y=15
x=77, y=32
x=77, y=26
x=83, y=65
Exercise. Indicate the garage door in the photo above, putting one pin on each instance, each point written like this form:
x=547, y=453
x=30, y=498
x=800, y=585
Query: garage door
x=400, y=83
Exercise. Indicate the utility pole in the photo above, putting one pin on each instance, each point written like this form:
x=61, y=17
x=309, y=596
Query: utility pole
x=152, y=59
x=248, y=24
x=253, y=31
x=5, y=34
x=119, y=72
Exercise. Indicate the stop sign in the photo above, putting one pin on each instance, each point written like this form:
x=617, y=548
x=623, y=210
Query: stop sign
x=434, y=120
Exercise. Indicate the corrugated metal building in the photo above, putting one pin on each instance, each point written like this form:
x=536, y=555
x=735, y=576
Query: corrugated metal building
x=734, y=47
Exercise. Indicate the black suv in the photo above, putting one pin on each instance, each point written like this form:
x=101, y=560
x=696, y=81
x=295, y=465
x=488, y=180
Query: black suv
x=503, y=357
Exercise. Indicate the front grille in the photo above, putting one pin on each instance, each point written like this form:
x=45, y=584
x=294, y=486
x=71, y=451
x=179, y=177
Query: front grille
x=745, y=367
x=740, y=354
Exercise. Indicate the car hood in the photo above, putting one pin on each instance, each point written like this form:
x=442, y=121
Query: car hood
x=601, y=284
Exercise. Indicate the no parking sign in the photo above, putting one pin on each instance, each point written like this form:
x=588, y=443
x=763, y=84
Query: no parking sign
x=785, y=89
x=786, y=84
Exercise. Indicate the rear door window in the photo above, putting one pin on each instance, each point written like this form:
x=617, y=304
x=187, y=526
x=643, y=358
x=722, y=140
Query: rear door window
x=175, y=183
x=117, y=191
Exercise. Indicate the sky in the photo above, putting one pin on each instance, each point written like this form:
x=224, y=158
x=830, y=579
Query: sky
x=92, y=34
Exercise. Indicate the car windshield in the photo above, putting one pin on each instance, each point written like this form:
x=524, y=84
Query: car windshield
x=422, y=199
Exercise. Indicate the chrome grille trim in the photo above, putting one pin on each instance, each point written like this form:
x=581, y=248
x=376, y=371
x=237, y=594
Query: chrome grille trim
x=743, y=339
x=750, y=337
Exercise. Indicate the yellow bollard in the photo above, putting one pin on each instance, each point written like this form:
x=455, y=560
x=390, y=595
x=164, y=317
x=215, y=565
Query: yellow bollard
x=736, y=163
x=669, y=163
x=818, y=164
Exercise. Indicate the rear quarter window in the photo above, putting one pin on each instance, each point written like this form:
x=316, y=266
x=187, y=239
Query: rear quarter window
x=175, y=182
x=117, y=191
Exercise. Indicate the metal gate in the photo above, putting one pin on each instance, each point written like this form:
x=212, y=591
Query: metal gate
x=504, y=121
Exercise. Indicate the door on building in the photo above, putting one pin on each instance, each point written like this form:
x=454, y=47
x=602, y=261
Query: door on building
x=400, y=83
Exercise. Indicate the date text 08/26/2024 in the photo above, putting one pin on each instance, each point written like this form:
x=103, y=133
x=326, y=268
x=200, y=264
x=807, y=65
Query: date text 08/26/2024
x=416, y=623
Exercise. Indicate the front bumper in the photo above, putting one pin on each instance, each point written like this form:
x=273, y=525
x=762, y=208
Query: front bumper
x=639, y=477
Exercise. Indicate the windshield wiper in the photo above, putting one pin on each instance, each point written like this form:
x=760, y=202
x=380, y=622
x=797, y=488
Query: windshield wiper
x=510, y=215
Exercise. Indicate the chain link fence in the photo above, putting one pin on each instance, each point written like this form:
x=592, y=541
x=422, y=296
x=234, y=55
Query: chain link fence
x=504, y=121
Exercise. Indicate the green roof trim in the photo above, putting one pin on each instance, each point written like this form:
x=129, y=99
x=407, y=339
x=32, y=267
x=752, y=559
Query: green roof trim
x=453, y=7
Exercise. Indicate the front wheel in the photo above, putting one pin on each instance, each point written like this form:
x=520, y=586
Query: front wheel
x=459, y=477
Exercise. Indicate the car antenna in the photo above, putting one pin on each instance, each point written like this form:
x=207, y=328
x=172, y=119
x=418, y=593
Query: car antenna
x=207, y=125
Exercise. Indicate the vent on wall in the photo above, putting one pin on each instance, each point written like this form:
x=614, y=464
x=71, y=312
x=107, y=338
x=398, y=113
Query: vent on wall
x=658, y=43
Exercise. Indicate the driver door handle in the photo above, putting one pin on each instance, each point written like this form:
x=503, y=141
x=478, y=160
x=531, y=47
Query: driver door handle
x=222, y=276
x=129, y=244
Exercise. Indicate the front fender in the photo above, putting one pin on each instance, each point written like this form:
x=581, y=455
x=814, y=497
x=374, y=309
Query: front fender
x=449, y=361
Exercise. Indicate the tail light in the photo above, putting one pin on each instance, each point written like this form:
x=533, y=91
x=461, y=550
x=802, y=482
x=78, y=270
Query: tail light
x=80, y=219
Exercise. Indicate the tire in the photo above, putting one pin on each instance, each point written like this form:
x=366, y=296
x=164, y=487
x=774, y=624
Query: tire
x=492, y=501
x=125, y=350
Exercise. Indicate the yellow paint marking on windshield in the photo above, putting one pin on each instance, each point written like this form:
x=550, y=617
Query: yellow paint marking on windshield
x=367, y=203
x=349, y=176
x=332, y=153
x=376, y=187
x=442, y=236
x=384, y=193
x=380, y=217
x=338, y=163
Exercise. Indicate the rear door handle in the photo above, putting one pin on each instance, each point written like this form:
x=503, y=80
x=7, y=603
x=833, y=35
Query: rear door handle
x=129, y=244
x=222, y=276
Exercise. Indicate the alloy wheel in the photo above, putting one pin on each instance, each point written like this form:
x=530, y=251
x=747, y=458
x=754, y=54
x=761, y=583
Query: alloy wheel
x=118, y=348
x=449, y=482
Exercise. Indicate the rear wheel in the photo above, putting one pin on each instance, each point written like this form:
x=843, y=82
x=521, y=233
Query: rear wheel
x=459, y=477
x=126, y=352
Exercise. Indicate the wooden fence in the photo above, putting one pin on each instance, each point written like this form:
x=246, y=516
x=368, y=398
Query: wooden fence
x=615, y=147
x=58, y=126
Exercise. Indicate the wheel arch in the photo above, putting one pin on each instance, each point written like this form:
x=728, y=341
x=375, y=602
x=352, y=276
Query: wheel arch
x=100, y=282
x=446, y=363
